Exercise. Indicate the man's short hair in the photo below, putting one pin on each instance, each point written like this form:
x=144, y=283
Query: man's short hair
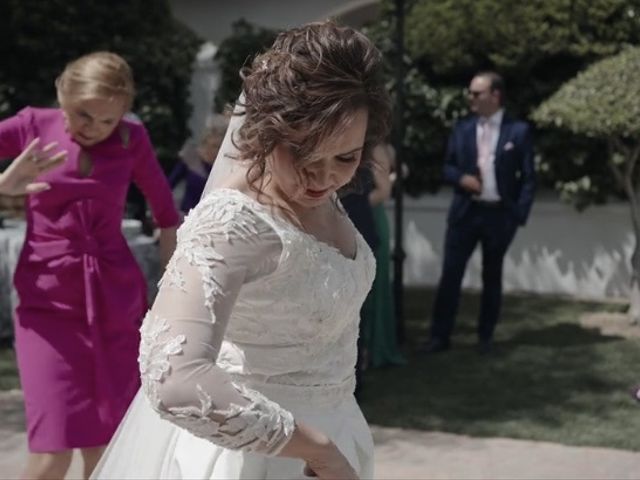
x=496, y=82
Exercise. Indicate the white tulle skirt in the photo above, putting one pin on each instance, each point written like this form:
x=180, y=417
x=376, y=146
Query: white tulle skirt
x=148, y=447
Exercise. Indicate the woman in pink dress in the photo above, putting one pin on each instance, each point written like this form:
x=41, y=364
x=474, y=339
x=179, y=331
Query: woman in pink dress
x=81, y=293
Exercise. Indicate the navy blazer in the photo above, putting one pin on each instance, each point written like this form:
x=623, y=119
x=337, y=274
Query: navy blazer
x=514, y=166
x=359, y=209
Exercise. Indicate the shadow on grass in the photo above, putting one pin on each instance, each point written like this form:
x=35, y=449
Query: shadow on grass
x=548, y=379
x=8, y=371
x=563, y=335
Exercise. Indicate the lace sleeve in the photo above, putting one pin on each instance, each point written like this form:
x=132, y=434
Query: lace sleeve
x=221, y=245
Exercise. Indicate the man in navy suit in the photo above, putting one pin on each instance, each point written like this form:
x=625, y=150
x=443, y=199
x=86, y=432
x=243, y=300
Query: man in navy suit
x=489, y=161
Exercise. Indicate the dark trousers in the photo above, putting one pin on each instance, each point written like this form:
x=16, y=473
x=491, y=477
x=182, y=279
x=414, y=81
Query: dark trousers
x=494, y=227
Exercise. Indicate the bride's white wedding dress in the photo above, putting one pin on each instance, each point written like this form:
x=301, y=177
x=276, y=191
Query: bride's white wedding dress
x=255, y=325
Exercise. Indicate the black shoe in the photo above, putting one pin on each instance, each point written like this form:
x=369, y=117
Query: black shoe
x=435, y=345
x=485, y=347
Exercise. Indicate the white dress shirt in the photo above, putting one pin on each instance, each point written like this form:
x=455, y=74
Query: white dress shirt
x=487, y=156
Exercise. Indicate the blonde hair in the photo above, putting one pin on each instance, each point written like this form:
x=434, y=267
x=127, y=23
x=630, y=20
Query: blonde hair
x=97, y=75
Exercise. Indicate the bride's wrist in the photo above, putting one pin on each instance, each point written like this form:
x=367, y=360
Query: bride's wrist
x=307, y=443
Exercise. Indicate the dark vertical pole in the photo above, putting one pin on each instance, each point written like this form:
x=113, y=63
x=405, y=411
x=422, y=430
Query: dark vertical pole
x=398, y=120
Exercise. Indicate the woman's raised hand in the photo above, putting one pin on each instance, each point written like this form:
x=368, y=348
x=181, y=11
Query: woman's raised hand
x=19, y=178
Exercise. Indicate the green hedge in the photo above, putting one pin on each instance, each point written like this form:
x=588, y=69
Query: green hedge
x=234, y=52
x=38, y=38
x=537, y=45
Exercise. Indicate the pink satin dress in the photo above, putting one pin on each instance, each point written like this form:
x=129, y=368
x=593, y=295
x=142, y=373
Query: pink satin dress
x=82, y=296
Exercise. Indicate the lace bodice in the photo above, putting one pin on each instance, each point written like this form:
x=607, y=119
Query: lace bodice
x=251, y=313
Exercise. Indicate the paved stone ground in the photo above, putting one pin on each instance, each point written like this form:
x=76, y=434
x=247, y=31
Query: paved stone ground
x=410, y=454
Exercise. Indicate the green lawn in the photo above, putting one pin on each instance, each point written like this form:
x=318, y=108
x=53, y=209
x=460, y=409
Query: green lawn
x=549, y=379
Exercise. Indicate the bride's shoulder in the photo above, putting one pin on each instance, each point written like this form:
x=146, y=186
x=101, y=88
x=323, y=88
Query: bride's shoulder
x=226, y=226
x=227, y=198
x=227, y=210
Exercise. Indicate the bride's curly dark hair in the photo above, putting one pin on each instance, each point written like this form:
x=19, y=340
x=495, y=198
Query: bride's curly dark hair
x=306, y=87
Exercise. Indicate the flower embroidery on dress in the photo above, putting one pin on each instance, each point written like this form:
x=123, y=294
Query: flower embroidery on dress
x=261, y=426
x=197, y=239
x=288, y=290
x=172, y=275
x=153, y=358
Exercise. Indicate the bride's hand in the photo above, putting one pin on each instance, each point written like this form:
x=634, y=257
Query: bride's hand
x=330, y=465
x=322, y=458
x=19, y=178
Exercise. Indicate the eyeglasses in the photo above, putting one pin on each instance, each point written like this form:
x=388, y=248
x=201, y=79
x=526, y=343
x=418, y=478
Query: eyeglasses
x=475, y=93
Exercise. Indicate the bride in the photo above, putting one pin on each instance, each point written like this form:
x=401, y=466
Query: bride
x=247, y=355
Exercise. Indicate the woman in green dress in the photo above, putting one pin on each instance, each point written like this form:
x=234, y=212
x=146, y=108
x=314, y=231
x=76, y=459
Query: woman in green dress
x=380, y=326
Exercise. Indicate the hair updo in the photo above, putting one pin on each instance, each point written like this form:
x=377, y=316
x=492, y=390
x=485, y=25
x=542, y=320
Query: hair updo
x=306, y=87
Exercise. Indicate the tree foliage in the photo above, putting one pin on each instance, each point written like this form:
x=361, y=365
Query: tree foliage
x=38, y=39
x=604, y=102
x=537, y=46
x=428, y=115
x=505, y=32
x=237, y=50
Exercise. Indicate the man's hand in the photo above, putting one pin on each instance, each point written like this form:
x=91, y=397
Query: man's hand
x=471, y=184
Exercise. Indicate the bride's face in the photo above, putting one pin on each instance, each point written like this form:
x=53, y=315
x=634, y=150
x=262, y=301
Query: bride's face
x=333, y=166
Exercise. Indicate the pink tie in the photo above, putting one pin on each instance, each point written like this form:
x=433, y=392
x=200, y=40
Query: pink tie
x=484, y=142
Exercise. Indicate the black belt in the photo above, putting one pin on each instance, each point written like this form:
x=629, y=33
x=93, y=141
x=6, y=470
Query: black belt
x=489, y=203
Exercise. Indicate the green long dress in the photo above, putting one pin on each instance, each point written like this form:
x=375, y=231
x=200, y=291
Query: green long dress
x=380, y=326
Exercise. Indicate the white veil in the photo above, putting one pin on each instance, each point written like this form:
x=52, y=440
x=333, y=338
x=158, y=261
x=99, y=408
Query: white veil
x=227, y=166
x=139, y=447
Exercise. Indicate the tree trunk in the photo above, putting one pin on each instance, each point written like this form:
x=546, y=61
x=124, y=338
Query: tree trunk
x=625, y=176
x=634, y=293
x=630, y=190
